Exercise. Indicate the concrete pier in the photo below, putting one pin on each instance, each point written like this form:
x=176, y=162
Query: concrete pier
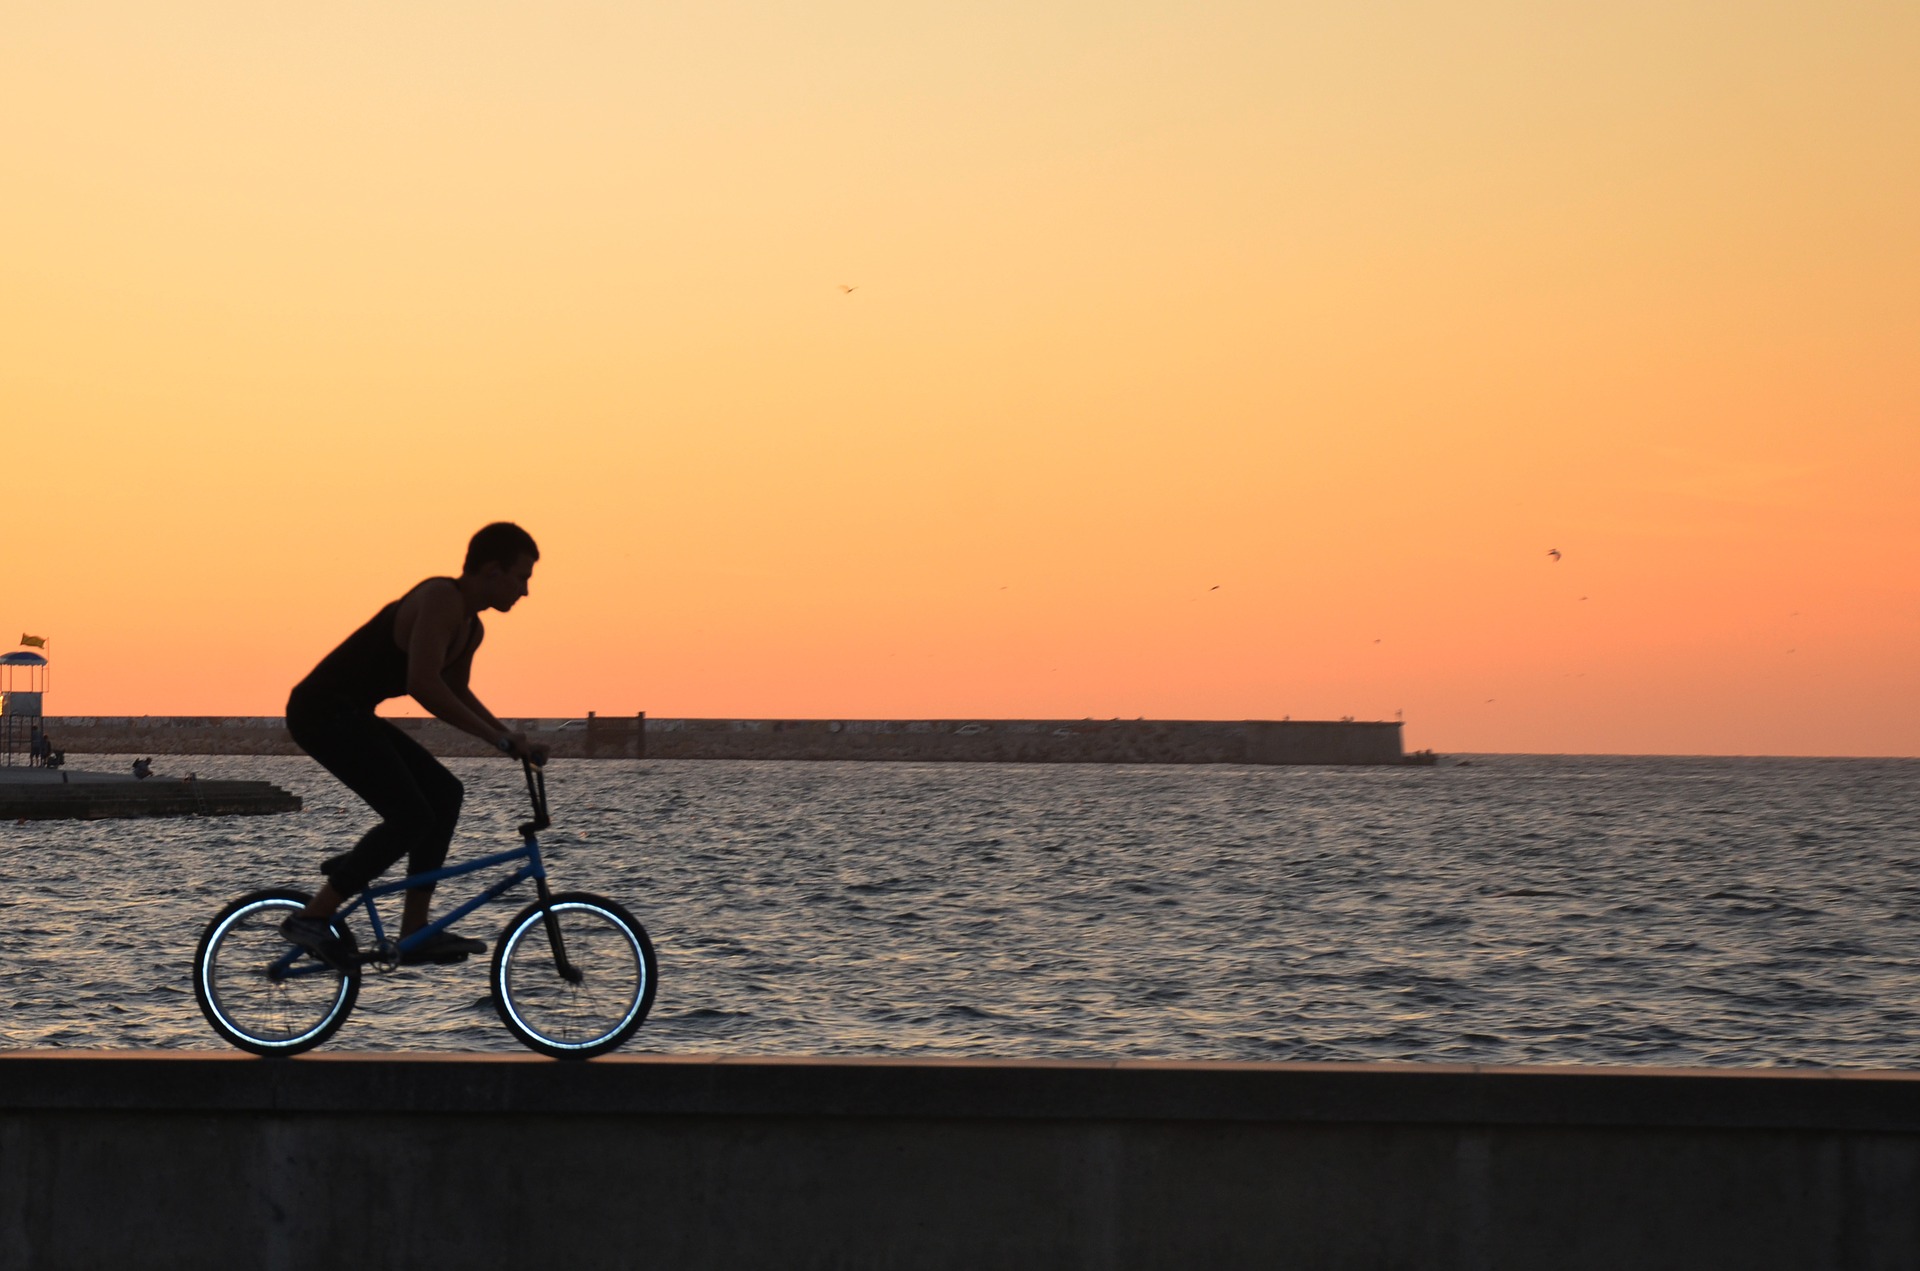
x=183, y=1160
x=62, y=794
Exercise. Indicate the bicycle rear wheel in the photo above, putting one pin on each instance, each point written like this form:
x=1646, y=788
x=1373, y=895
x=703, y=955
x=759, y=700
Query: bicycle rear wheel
x=562, y=1018
x=261, y=993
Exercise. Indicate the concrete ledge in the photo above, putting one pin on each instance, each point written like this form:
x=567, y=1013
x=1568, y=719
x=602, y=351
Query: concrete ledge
x=1122, y=1090
x=188, y=1160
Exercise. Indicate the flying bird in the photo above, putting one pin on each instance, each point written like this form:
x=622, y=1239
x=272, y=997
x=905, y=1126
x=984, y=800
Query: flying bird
x=848, y=291
x=1215, y=587
x=1555, y=553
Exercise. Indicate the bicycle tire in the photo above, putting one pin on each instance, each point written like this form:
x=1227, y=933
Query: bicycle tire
x=248, y=1006
x=574, y=1021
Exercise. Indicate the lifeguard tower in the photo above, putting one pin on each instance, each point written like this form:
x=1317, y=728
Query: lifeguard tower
x=23, y=694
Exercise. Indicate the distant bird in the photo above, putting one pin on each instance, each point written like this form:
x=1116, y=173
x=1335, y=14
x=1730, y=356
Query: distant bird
x=1489, y=699
x=1376, y=639
x=1215, y=587
x=848, y=291
x=1555, y=553
x=1583, y=597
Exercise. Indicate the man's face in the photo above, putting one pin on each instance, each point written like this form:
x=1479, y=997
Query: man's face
x=506, y=583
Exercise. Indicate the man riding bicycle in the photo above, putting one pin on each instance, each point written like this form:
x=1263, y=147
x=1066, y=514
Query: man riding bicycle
x=422, y=646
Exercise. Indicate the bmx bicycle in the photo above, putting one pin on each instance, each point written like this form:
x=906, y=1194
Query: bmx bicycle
x=573, y=973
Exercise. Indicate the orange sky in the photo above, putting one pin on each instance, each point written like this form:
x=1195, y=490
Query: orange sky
x=1352, y=311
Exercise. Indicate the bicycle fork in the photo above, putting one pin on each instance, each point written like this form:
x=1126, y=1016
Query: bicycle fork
x=568, y=971
x=537, y=794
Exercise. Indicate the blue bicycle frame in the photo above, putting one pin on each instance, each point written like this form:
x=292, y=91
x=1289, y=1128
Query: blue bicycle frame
x=531, y=866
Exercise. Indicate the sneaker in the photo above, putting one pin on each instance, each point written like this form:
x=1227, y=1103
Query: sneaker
x=315, y=935
x=443, y=946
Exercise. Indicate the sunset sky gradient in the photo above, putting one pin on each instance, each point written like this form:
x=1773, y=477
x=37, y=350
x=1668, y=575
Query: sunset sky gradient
x=1349, y=311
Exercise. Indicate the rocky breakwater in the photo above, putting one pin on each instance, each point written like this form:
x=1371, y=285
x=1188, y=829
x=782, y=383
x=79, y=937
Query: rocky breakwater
x=615, y=737
x=1029, y=740
x=887, y=740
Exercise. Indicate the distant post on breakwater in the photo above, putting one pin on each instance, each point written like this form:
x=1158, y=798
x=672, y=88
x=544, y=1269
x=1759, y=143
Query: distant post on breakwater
x=638, y=736
x=613, y=736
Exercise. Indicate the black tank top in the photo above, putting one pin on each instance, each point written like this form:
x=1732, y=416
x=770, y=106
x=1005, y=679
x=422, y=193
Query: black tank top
x=369, y=666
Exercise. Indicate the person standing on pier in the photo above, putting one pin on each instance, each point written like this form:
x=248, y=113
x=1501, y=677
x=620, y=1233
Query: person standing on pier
x=422, y=646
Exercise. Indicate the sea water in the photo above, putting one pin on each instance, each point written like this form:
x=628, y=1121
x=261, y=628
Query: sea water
x=1511, y=909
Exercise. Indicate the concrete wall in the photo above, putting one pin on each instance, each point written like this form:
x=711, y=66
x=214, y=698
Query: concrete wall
x=173, y=1160
x=923, y=741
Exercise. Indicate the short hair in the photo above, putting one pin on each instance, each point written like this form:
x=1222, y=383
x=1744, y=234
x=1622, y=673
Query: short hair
x=498, y=544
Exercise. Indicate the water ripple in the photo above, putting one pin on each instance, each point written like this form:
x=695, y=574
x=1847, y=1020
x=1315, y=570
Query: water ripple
x=1521, y=910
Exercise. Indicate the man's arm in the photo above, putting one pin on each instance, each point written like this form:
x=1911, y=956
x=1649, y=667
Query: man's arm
x=536, y=751
x=459, y=678
x=473, y=704
x=436, y=625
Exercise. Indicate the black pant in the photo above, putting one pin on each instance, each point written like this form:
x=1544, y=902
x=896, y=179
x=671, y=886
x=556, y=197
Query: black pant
x=418, y=800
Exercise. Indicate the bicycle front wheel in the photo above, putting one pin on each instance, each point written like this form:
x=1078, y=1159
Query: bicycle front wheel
x=261, y=993
x=570, y=1018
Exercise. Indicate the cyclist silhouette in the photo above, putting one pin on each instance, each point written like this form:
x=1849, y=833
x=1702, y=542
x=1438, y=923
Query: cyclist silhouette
x=422, y=646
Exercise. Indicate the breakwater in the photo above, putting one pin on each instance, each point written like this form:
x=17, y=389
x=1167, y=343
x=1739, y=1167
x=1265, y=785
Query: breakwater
x=925, y=741
x=470, y=1161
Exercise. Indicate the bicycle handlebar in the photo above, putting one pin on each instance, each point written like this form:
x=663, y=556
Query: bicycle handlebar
x=537, y=793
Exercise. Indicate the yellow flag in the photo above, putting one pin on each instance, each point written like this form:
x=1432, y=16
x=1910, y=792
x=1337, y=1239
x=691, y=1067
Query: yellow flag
x=34, y=642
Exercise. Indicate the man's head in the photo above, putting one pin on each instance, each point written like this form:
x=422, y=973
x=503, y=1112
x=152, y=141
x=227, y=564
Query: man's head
x=499, y=563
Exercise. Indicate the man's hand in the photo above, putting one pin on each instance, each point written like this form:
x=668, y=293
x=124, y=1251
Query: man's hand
x=520, y=748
